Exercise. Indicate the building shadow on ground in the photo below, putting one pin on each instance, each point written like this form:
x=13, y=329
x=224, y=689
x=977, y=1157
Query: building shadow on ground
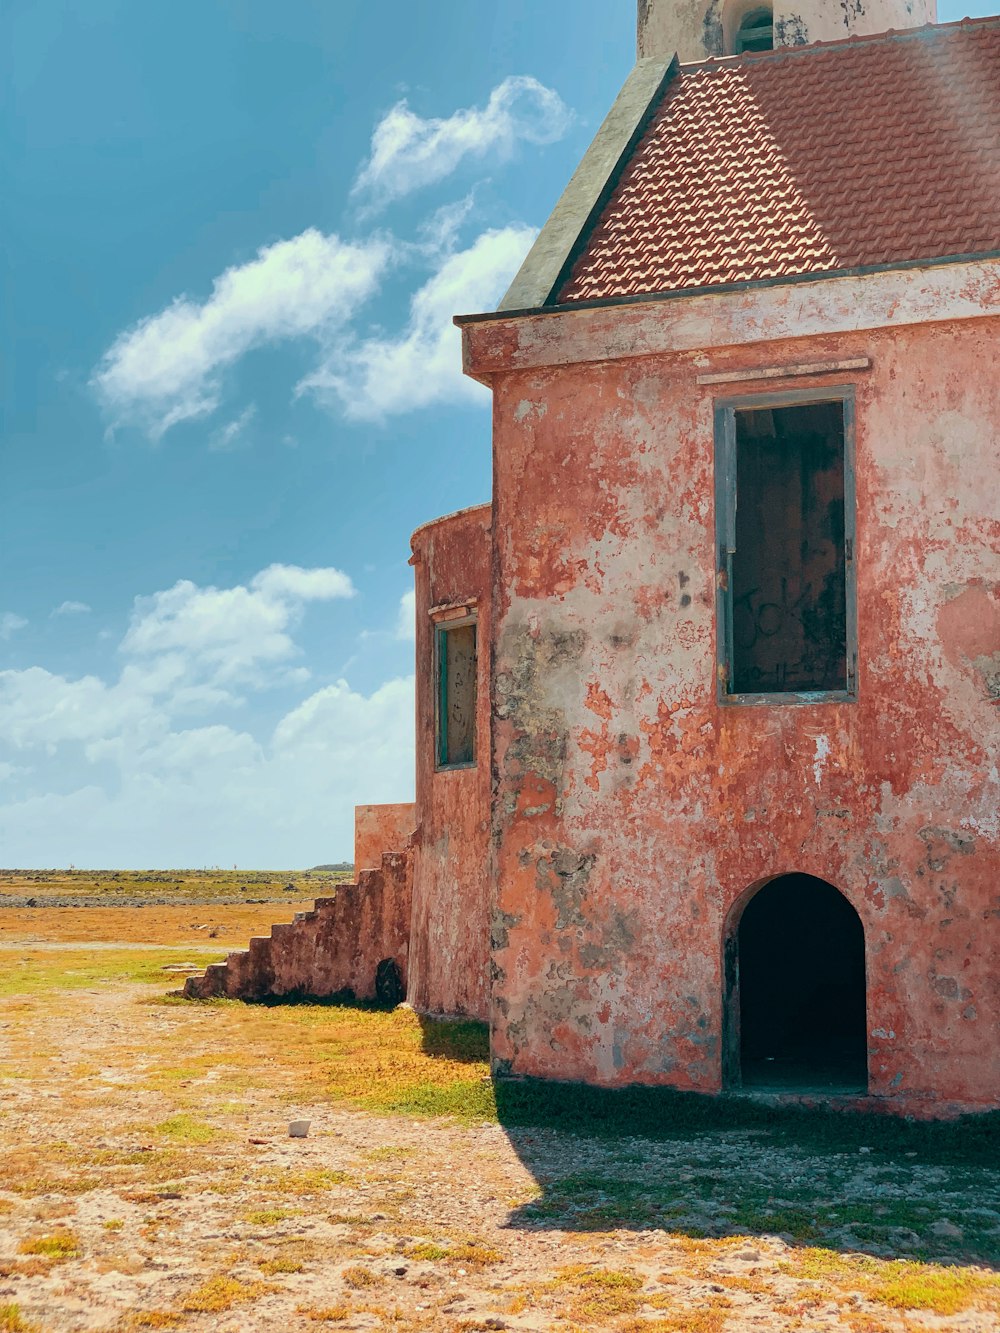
x=653, y=1159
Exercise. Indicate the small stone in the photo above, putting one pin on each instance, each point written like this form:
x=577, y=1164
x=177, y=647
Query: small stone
x=864, y=1150
x=946, y=1230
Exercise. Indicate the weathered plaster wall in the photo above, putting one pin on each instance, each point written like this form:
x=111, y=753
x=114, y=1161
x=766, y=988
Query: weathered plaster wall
x=697, y=29
x=381, y=828
x=342, y=945
x=449, y=956
x=632, y=811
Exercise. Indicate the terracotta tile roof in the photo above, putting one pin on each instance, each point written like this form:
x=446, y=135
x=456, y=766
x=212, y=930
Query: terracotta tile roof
x=836, y=156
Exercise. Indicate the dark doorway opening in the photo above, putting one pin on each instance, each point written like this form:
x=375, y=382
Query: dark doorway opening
x=797, y=990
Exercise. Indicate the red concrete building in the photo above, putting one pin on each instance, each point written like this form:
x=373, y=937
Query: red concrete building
x=707, y=716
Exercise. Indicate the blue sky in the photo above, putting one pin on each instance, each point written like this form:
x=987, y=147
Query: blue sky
x=235, y=235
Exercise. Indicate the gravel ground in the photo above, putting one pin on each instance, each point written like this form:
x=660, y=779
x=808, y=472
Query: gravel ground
x=377, y=1222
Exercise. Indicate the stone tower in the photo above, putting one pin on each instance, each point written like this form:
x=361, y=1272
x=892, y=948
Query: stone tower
x=697, y=29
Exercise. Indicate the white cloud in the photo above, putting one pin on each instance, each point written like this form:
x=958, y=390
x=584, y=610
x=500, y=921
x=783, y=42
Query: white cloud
x=377, y=377
x=406, y=627
x=307, y=585
x=214, y=796
x=38, y=708
x=167, y=368
x=10, y=624
x=409, y=152
x=183, y=794
x=228, y=436
x=71, y=609
x=229, y=633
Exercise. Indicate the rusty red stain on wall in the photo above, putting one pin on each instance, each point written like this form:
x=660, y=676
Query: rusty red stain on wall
x=381, y=828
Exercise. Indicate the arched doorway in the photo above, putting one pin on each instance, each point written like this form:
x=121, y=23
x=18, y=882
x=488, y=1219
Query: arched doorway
x=795, y=990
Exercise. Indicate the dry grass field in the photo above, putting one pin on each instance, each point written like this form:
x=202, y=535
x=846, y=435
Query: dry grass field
x=147, y=1179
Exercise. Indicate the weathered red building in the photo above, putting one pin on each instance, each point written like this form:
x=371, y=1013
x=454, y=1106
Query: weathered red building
x=707, y=715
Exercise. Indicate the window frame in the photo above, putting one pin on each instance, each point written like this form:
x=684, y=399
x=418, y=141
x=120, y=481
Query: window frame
x=441, y=627
x=725, y=410
x=744, y=33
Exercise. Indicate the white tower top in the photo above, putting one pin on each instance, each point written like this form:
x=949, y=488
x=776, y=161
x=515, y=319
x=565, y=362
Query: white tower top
x=697, y=29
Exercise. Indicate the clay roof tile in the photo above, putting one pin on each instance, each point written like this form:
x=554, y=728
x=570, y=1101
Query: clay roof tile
x=840, y=155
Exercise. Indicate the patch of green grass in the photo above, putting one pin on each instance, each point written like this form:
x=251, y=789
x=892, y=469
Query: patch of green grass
x=389, y=1153
x=12, y=1320
x=268, y=1217
x=283, y=1264
x=357, y=1277
x=221, y=1293
x=427, y=1252
x=41, y=970
x=470, y=1101
x=186, y=1129
x=784, y=1219
x=470, y=1251
x=61, y=1244
x=308, y=1180
x=901, y=1284
x=600, y=1294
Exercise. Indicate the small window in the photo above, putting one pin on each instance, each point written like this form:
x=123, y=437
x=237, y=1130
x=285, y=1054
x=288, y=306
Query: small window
x=786, y=549
x=456, y=711
x=755, y=33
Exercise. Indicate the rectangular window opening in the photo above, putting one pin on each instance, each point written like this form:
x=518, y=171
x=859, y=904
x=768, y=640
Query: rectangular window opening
x=456, y=711
x=786, y=544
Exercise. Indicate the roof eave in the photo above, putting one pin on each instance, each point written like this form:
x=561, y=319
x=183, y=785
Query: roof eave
x=559, y=242
x=717, y=289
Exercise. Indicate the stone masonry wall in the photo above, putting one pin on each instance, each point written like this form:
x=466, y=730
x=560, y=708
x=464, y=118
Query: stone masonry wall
x=341, y=947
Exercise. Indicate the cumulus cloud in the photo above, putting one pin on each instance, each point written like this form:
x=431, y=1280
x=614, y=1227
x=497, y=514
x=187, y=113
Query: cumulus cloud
x=171, y=367
x=409, y=152
x=71, y=609
x=167, y=368
x=230, y=632
x=186, y=793
x=10, y=624
x=216, y=796
x=406, y=627
x=372, y=378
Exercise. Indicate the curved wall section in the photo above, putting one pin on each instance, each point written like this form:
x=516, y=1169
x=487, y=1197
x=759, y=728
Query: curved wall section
x=449, y=940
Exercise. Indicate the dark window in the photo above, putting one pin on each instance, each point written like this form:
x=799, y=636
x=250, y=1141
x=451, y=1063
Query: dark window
x=456, y=711
x=786, y=547
x=755, y=33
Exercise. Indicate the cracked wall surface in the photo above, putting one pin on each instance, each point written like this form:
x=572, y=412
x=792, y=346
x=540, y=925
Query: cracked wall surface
x=632, y=810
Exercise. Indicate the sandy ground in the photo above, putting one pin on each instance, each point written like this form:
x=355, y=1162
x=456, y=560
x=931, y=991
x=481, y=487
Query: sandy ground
x=148, y=1181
